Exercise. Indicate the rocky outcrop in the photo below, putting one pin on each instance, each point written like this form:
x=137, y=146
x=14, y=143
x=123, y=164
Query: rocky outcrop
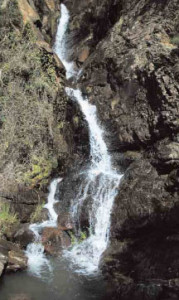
x=144, y=247
x=12, y=259
x=131, y=75
x=3, y=262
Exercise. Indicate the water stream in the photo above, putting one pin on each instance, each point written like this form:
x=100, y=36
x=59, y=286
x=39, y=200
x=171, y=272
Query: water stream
x=101, y=183
x=101, y=180
x=37, y=260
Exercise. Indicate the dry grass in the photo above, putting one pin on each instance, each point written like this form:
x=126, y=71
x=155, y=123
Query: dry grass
x=28, y=117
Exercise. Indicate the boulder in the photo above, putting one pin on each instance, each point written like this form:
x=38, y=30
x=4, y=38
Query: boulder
x=3, y=262
x=6, y=246
x=12, y=258
x=65, y=221
x=55, y=240
x=23, y=235
x=16, y=261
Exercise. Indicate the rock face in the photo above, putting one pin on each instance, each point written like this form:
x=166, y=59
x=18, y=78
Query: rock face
x=12, y=259
x=131, y=75
x=3, y=262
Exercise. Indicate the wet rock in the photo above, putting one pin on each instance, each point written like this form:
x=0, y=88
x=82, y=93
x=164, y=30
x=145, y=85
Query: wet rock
x=65, y=221
x=23, y=235
x=55, y=240
x=6, y=246
x=3, y=261
x=16, y=261
x=12, y=257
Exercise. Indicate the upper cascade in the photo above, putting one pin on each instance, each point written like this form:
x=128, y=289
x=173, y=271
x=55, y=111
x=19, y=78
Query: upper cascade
x=60, y=42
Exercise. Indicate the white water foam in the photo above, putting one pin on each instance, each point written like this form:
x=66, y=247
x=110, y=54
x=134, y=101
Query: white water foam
x=101, y=184
x=101, y=180
x=60, y=42
x=37, y=260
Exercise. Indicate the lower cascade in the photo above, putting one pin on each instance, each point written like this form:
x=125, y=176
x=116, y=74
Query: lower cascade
x=35, y=251
x=101, y=183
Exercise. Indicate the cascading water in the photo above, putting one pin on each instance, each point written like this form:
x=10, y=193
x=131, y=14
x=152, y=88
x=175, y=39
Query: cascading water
x=101, y=180
x=37, y=260
x=60, y=43
x=101, y=184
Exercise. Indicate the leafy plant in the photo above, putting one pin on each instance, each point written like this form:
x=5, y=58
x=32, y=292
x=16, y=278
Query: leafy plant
x=7, y=218
x=175, y=40
x=83, y=236
x=73, y=238
x=35, y=216
x=77, y=240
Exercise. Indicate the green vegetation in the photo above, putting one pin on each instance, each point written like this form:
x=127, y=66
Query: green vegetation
x=83, y=236
x=73, y=238
x=36, y=215
x=77, y=240
x=7, y=218
x=40, y=170
x=175, y=40
x=30, y=113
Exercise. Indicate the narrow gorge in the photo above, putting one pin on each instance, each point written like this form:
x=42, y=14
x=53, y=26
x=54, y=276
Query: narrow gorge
x=89, y=149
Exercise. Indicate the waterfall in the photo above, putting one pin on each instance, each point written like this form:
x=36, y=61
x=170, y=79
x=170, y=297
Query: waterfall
x=101, y=181
x=37, y=260
x=60, y=42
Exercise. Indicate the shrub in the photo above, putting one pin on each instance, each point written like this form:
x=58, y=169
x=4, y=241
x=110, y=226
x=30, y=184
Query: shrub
x=175, y=40
x=29, y=111
x=36, y=215
x=7, y=218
